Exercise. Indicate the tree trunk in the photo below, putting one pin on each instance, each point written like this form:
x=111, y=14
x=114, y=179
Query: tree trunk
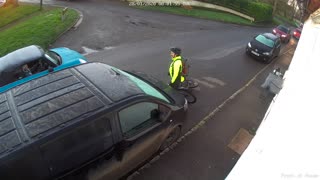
x=41, y=3
x=13, y=2
x=275, y=3
x=294, y=9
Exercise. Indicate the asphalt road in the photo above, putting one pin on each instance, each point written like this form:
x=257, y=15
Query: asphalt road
x=137, y=40
x=133, y=39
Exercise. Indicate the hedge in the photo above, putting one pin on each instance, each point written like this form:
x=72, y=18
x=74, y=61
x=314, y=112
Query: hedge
x=261, y=12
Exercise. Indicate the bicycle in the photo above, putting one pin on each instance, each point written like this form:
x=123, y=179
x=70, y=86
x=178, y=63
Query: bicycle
x=188, y=84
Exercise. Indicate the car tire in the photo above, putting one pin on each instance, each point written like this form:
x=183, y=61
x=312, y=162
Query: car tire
x=269, y=61
x=171, y=138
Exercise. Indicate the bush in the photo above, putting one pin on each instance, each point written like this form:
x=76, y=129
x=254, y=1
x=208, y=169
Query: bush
x=260, y=11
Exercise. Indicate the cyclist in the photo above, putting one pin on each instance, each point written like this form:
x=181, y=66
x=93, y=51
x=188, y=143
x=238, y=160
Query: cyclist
x=175, y=68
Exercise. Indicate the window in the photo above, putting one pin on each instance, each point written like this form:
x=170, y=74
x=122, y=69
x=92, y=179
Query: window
x=283, y=29
x=145, y=87
x=264, y=40
x=53, y=57
x=136, y=118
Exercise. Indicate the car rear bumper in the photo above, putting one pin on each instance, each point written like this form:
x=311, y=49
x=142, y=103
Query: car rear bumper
x=283, y=39
x=296, y=36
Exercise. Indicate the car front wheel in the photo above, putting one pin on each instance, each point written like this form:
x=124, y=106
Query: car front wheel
x=171, y=138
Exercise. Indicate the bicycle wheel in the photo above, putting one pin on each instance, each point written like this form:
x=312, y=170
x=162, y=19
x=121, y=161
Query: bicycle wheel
x=192, y=84
x=189, y=97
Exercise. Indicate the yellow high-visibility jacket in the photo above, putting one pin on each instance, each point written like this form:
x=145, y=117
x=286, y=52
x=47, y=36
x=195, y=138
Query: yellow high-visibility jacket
x=175, y=69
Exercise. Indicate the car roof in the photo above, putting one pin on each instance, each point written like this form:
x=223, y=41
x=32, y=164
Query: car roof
x=270, y=36
x=20, y=57
x=283, y=26
x=41, y=106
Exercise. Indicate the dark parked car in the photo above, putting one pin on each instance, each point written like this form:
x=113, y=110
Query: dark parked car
x=25, y=64
x=264, y=47
x=283, y=32
x=65, y=122
x=297, y=33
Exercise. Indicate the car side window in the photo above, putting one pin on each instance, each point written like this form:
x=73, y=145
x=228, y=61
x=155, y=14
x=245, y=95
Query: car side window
x=137, y=117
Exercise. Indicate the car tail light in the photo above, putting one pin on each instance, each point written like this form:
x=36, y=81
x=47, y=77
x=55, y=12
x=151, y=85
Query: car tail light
x=295, y=33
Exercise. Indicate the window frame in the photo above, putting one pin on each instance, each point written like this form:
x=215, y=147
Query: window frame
x=146, y=129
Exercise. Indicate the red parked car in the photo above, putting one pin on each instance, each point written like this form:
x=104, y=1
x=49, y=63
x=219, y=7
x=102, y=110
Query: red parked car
x=297, y=33
x=283, y=32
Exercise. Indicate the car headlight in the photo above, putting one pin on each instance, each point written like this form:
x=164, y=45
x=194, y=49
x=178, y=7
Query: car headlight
x=283, y=35
x=266, y=53
x=249, y=45
x=274, y=31
x=82, y=61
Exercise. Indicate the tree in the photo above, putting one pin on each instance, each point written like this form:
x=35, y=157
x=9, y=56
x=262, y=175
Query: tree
x=13, y=2
x=275, y=3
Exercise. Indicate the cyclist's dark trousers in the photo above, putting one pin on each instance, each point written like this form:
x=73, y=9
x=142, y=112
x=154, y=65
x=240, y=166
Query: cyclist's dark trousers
x=176, y=84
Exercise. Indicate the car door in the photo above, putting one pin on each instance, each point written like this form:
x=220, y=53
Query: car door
x=142, y=132
x=278, y=47
x=78, y=145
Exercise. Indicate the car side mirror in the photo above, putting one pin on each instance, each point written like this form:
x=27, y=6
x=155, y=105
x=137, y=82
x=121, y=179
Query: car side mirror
x=50, y=69
x=155, y=114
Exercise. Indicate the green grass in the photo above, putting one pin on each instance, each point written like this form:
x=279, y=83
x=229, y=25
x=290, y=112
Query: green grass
x=199, y=13
x=9, y=14
x=276, y=21
x=42, y=29
x=284, y=20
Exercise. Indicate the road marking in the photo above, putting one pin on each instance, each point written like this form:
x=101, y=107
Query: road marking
x=219, y=53
x=88, y=51
x=214, y=80
x=197, y=88
x=205, y=83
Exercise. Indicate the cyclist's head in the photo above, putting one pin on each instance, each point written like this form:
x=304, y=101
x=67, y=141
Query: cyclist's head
x=175, y=51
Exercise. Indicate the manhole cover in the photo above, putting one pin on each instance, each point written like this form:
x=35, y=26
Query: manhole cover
x=240, y=141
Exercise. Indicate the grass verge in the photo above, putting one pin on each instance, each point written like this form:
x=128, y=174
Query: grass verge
x=9, y=14
x=282, y=20
x=199, y=13
x=42, y=29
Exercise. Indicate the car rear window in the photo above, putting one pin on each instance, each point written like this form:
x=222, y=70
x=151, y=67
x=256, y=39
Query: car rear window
x=264, y=40
x=283, y=29
x=145, y=87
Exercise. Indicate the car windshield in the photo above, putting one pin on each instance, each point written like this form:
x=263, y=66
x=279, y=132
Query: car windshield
x=264, y=40
x=145, y=87
x=283, y=29
x=51, y=56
